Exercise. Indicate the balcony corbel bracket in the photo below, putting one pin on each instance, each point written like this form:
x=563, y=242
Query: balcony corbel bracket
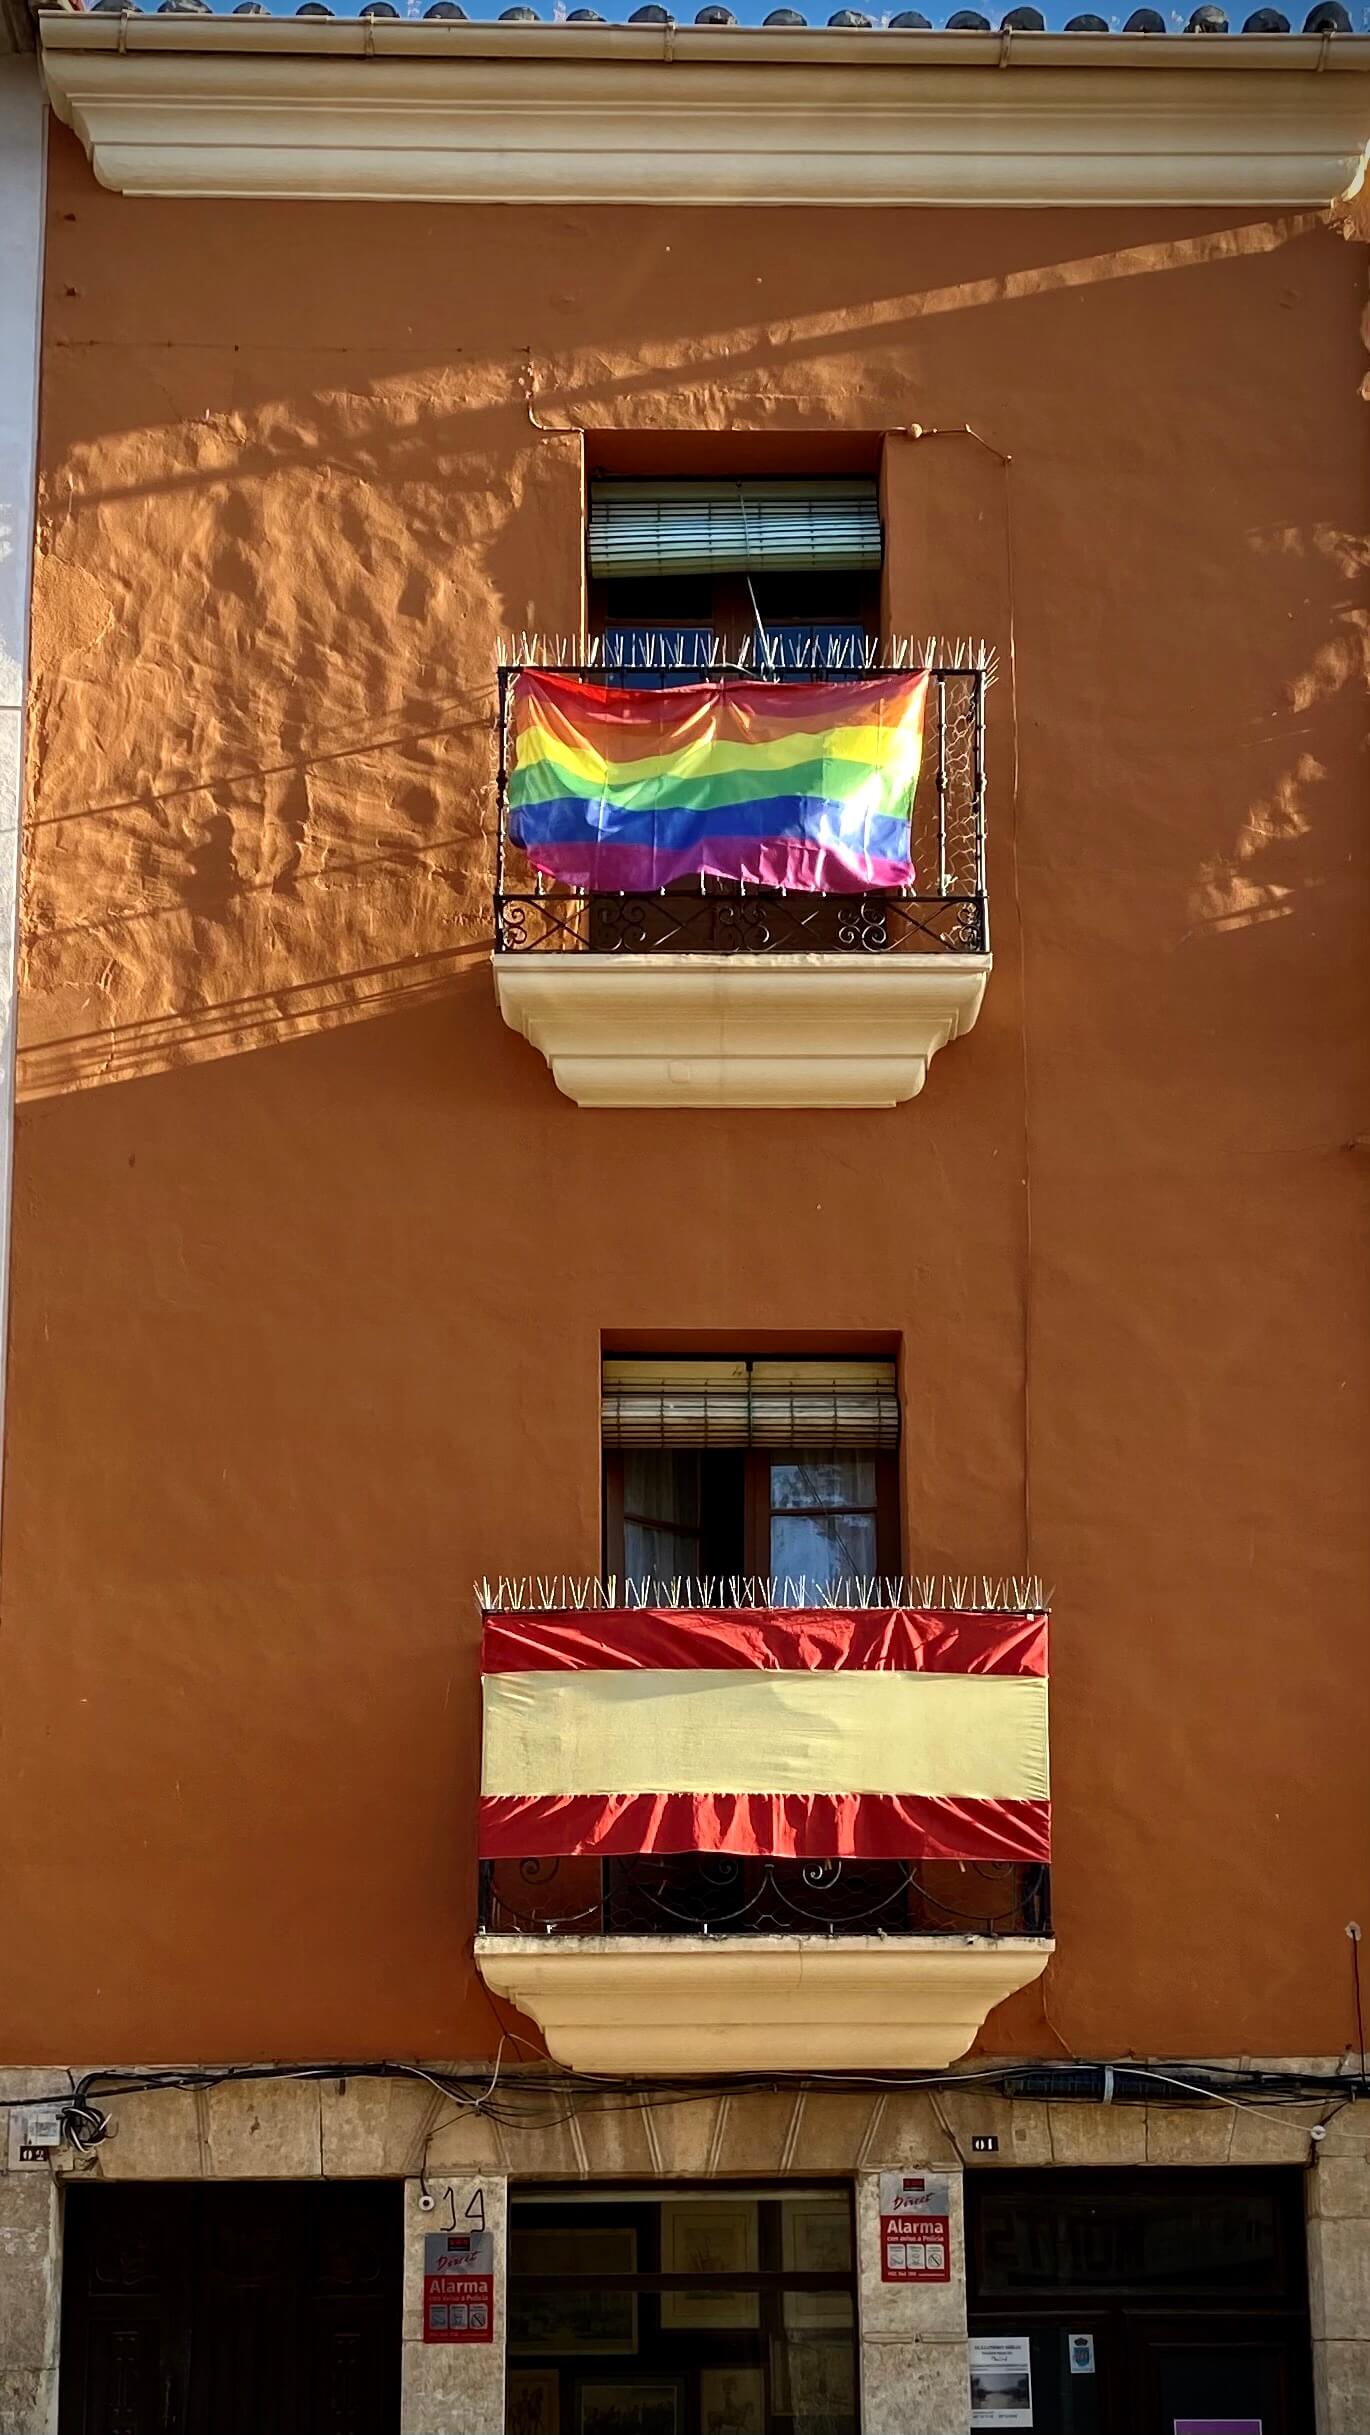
x=712, y=1031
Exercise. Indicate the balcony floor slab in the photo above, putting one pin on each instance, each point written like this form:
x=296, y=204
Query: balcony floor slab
x=759, y=2003
x=744, y=1031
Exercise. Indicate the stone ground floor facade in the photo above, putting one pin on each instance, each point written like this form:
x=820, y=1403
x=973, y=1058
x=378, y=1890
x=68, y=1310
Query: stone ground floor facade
x=912, y=2337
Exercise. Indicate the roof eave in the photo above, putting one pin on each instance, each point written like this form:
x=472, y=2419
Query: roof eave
x=386, y=109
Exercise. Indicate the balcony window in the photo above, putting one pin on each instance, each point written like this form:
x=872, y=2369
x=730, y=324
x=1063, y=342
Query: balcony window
x=824, y=1519
x=656, y=654
x=783, y=577
x=654, y=531
x=807, y=1523
x=661, y=1497
x=782, y=626
x=799, y=647
x=782, y=1470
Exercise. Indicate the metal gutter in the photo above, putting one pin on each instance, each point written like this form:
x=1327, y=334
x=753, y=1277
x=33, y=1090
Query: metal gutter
x=67, y=29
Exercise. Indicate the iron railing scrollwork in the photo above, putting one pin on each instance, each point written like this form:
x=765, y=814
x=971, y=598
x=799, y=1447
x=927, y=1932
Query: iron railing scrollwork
x=718, y=1894
x=946, y=912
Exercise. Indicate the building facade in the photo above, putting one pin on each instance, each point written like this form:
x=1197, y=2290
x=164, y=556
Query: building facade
x=727, y=1320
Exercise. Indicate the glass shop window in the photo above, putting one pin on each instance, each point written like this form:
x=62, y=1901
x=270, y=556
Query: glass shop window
x=693, y=2312
x=785, y=1471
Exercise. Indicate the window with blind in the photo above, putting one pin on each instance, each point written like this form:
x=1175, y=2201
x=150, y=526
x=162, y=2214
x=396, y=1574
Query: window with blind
x=780, y=1469
x=684, y=571
x=715, y=528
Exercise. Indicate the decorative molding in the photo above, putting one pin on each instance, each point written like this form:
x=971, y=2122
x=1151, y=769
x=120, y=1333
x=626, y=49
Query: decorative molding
x=23, y=186
x=745, y=1031
x=384, y=109
x=759, y=2003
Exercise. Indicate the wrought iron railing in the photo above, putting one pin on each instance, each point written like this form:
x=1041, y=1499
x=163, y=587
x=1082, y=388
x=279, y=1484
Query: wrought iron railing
x=708, y=1894
x=945, y=912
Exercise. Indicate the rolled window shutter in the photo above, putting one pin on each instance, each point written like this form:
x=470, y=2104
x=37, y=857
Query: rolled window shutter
x=705, y=528
x=815, y=1404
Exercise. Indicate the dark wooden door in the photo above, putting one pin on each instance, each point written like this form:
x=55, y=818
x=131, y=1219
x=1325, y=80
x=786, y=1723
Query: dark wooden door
x=125, y=2309
x=1225, y=2367
x=206, y=2309
x=1188, y=2287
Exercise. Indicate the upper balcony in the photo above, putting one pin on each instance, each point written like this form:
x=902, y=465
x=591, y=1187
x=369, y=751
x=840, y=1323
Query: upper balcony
x=719, y=888
x=764, y=1838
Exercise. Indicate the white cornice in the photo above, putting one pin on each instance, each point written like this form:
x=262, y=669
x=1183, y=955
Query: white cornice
x=386, y=109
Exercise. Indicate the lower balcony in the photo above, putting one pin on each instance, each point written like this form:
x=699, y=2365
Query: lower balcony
x=763, y=1839
x=713, y=1963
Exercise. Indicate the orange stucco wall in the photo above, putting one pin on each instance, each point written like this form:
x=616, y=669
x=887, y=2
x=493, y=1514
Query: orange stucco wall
x=311, y=1262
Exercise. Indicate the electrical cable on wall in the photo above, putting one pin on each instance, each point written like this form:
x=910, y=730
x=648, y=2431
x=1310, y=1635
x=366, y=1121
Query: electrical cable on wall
x=1354, y=1933
x=528, y=384
x=523, y=2101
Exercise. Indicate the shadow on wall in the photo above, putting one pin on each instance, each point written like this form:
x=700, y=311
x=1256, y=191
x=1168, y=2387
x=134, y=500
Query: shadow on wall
x=1258, y=878
x=280, y=557
x=661, y=334
x=124, y=1052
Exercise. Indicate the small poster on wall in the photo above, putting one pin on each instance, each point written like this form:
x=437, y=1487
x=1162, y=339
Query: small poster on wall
x=459, y=2287
x=1001, y=2380
x=915, y=2228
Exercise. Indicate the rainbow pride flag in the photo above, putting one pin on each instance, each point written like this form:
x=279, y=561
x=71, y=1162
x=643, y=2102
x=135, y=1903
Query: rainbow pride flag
x=785, y=786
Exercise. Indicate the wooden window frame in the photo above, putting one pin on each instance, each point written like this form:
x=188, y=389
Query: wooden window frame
x=762, y=1509
x=758, y=1509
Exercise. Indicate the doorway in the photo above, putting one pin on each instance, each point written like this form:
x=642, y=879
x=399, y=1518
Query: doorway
x=1141, y=2303
x=207, y=2308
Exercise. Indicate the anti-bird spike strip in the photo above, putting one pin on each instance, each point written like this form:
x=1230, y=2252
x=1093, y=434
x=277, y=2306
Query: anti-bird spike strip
x=964, y=1593
x=535, y=650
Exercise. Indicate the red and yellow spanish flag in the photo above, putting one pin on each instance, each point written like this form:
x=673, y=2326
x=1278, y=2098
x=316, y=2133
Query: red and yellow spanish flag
x=804, y=1734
